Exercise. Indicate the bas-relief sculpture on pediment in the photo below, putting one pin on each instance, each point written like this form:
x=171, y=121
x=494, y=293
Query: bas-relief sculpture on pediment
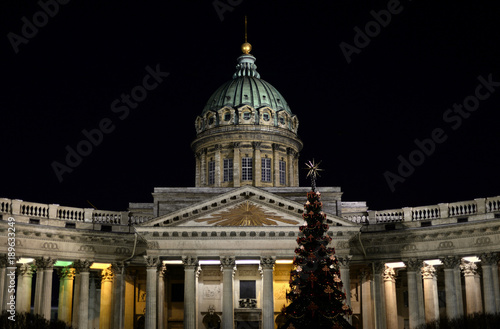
x=246, y=213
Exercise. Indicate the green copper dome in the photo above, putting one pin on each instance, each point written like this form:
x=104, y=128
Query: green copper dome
x=246, y=88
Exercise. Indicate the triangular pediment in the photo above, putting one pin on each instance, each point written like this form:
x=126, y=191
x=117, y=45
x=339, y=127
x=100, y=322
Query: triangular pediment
x=244, y=206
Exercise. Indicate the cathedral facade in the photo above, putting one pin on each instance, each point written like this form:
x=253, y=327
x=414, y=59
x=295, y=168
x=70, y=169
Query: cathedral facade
x=219, y=254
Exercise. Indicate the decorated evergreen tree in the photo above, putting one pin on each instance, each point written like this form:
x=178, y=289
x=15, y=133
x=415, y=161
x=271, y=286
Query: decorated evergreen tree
x=316, y=296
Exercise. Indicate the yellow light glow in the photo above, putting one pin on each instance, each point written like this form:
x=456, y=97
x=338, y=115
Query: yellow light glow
x=472, y=259
x=247, y=261
x=172, y=262
x=24, y=260
x=99, y=266
x=209, y=262
x=433, y=262
x=284, y=261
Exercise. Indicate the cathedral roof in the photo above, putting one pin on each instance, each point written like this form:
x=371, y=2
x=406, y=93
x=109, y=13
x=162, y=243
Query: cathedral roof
x=246, y=88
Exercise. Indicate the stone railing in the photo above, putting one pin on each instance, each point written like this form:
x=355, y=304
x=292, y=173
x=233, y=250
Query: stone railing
x=55, y=211
x=424, y=213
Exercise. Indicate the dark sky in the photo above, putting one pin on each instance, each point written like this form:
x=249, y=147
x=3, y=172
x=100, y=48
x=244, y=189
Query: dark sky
x=361, y=119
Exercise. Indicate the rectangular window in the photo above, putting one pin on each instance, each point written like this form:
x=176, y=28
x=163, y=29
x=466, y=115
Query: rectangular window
x=247, y=289
x=282, y=172
x=266, y=169
x=228, y=170
x=246, y=168
x=211, y=172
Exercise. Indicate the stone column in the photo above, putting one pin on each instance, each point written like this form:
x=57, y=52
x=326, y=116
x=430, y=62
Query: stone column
x=76, y=297
x=296, y=170
x=203, y=167
x=366, y=301
x=24, y=279
x=276, y=165
x=267, y=265
x=236, y=165
x=45, y=265
x=83, y=268
x=106, y=311
x=94, y=300
x=378, y=292
x=66, y=278
x=161, y=295
x=37, y=309
x=198, y=169
x=151, y=267
x=118, y=269
x=346, y=280
x=257, y=177
x=190, y=265
x=470, y=269
x=458, y=289
x=3, y=277
x=289, y=167
x=412, y=266
x=430, y=293
x=496, y=284
x=391, y=305
x=450, y=264
x=487, y=261
x=218, y=165
x=227, y=267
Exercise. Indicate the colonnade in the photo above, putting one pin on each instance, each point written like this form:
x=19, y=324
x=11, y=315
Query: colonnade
x=85, y=302
x=379, y=306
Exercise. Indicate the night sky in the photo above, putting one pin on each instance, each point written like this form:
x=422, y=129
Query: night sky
x=362, y=112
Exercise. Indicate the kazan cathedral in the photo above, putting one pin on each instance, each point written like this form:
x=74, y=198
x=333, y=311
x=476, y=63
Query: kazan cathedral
x=219, y=255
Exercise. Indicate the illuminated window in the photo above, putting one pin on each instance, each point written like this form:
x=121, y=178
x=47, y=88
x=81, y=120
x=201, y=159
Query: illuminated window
x=282, y=172
x=211, y=172
x=266, y=169
x=246, y=168
x=228, y=170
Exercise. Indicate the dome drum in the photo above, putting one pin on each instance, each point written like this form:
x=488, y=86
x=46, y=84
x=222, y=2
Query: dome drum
x=246, y=134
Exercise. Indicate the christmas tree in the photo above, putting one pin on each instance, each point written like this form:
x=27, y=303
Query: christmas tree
x=316, y=296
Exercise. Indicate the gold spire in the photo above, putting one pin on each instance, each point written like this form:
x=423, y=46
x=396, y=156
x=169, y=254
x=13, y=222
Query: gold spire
x=246, y=47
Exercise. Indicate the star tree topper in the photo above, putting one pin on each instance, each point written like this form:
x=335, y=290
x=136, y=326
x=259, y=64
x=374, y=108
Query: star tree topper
x=313, y=172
